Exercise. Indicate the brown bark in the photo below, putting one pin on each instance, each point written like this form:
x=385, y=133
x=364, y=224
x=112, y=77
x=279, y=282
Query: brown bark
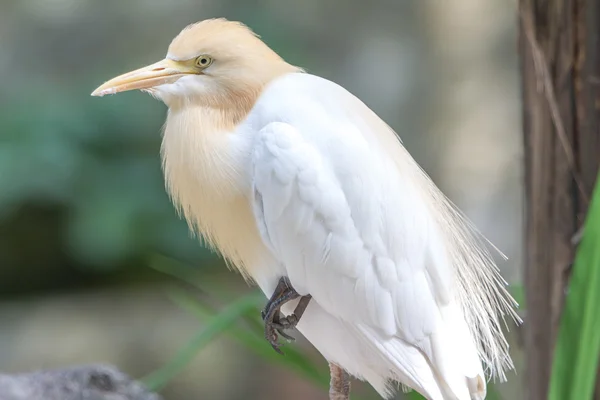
x=560, y=65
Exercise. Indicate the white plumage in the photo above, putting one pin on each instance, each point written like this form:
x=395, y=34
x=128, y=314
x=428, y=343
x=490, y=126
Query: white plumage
x=309, y=183
x=359, y=233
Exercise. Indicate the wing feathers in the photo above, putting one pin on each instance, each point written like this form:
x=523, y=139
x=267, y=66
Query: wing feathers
x=367, y=251
x=312, y=228
x=361, y=227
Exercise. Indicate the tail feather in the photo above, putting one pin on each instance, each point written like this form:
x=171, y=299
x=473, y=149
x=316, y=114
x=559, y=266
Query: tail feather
x=445, y=366
x=454, y=355
x=481, y=290
x=404, y=363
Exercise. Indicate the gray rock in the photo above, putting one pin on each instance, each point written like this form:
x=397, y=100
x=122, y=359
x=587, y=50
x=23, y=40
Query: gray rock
x=84, y=382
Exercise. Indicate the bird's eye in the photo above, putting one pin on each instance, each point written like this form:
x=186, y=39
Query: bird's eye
x=203, y=61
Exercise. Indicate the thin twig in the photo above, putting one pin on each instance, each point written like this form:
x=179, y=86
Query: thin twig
x=544, y=84
x=339, y=386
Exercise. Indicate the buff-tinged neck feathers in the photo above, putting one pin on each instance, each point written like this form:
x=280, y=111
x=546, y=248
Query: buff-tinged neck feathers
x=204, y=169
x=205, y=173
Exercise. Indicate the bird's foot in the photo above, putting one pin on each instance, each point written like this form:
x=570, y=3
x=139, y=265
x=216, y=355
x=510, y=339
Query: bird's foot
x=275, y=324
x=276, y=328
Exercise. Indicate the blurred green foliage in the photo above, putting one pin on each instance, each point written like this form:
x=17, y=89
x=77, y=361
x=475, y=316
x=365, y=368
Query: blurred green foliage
x=71, y=153
x=575, y=361
x=82, y=186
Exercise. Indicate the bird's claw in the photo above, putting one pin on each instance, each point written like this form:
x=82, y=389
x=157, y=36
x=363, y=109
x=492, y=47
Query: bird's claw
x=271, y=336
x=288, y=322
x=275, y=324
x=286, y=336
x=276, y=327
x=281, y=324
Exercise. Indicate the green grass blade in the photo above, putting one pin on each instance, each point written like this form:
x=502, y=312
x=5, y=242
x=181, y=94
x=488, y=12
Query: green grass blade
x=253, y=339
x=578, y=344
x=216, y=325
x=414, y=396
x=252, y=336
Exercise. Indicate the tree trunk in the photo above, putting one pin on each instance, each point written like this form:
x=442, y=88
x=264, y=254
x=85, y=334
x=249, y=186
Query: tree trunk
x=560, y=63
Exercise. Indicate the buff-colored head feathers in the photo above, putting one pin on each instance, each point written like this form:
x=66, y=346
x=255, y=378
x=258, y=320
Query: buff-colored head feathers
x=221, y=39
x=211, y=63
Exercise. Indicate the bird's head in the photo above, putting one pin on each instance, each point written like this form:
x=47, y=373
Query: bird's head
x=212, y=62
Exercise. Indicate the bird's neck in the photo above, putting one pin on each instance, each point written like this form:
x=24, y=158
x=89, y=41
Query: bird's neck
x=222, y=110
x=205, y=165
x=201, y=153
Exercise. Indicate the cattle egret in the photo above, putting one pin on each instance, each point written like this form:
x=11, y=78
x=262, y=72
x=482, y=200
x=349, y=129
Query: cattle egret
x=309, y=194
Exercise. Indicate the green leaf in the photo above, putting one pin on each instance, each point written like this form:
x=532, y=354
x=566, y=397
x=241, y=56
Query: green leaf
x=216, y=325
x=252, y=337
x=578, y=344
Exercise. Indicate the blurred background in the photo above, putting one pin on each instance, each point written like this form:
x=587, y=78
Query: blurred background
x=89, y=242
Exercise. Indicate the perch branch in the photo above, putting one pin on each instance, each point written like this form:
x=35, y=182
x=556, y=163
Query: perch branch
x=339, y=385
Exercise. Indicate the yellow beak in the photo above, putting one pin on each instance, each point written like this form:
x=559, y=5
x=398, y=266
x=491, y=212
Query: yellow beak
x=160, y=73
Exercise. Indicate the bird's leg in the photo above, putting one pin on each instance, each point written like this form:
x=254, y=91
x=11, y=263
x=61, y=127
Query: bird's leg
x=339, y=384
x=276, y=324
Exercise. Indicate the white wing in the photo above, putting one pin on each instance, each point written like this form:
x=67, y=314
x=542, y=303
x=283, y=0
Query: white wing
x=357, y=225
x=362, y=246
